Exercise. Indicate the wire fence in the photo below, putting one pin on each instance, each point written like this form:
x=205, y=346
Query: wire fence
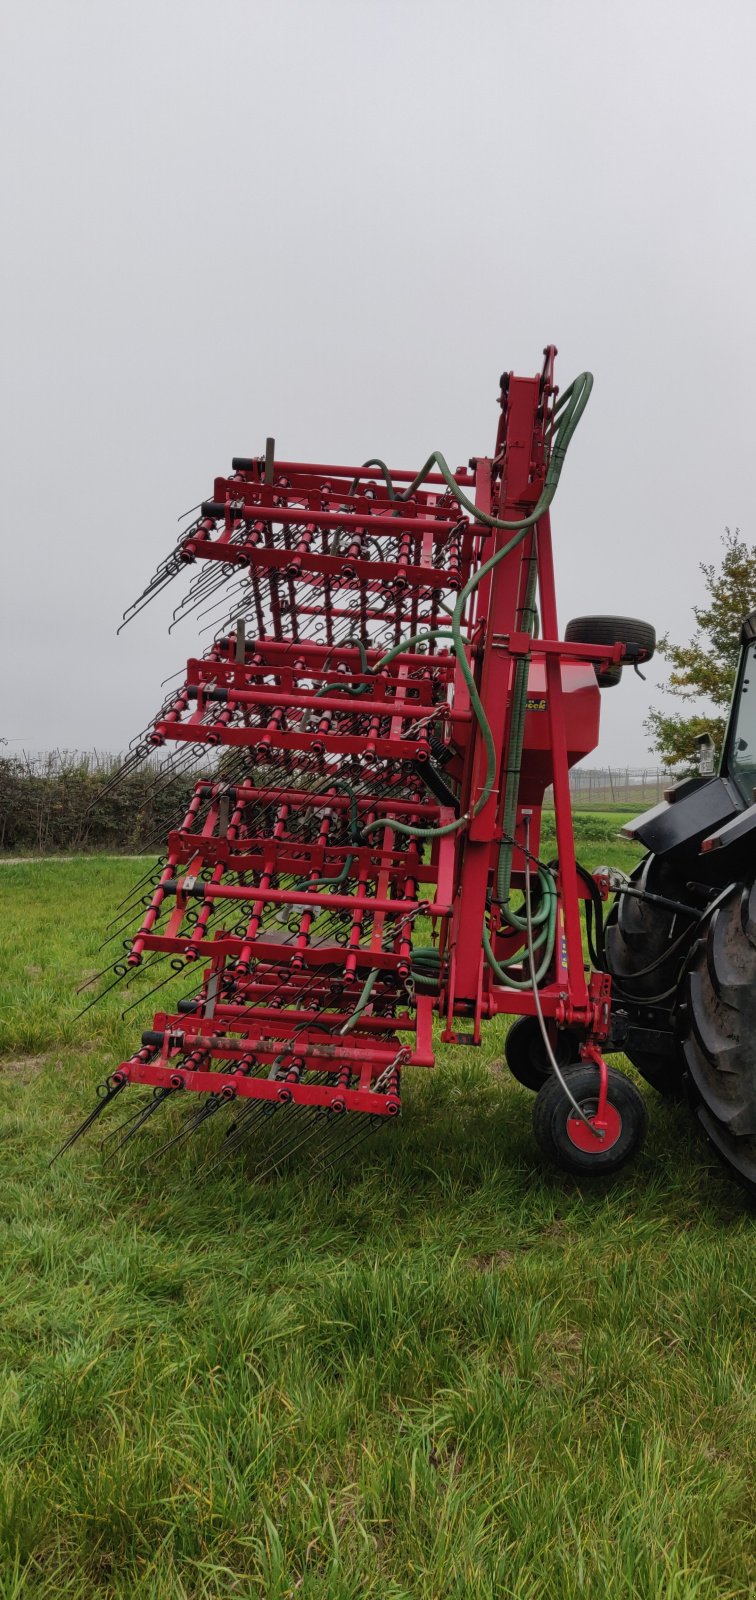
x=52, y=801
x=600, y=788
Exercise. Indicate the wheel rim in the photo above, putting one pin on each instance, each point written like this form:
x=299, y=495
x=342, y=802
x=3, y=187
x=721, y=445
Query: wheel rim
x=584, y=1137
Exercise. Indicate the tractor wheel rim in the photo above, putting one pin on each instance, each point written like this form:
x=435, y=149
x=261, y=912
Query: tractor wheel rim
x=585, y=1139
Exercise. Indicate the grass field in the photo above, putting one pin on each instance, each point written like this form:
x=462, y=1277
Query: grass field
x=451, y=1372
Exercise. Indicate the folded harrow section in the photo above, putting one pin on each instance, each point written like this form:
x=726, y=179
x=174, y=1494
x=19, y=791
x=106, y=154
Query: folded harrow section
x=320, y=725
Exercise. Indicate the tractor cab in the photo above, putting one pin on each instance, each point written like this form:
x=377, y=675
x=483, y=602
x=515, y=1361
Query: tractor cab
x=739, y=753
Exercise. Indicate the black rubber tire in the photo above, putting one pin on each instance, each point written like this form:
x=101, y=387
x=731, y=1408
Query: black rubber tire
x=525, y=1053
x=609, y=678
x=718, y=1033
x=552, y=1112
x=612, y=630
x=637, y=935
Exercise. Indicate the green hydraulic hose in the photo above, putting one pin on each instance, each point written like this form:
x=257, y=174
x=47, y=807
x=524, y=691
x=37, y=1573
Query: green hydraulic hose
x=522, y=983
x=354, y=830
x=426, y=637
x=575, y=399
x=363, y=1001
x=333, y=883
x=375, y=461
x=426, y=965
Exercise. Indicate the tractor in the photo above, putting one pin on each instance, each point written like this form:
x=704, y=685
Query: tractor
x=680, y=940
x=362, y=756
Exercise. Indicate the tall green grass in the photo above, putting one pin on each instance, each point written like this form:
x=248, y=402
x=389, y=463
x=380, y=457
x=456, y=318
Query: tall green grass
x=450, y=1372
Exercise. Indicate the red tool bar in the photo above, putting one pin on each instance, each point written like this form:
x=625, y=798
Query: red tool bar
x=239, y=1016
x=305, y=897
x=326, y=656
x=249, y=1088
x=235, y=675
x=319, y=1057
x=356, y=706
x=230, y=946
x=317, y=470
x=290, y=856
x=304, y=798
x=349, y=521
x=339, y=743
x=360, y=569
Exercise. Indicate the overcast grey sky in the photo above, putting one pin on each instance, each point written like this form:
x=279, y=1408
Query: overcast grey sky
x=337, y=223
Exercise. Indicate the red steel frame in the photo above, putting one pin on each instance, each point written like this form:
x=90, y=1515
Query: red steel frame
x=321, y=736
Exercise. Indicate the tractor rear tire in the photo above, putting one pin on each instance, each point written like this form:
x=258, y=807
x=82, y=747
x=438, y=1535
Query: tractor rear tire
x=718, y=1034
x=641, y=935
x=526, y=1056
x=564, y=1138
x=612, y=630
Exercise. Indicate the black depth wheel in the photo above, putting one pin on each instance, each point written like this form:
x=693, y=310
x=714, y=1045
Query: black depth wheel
x=525, y=1052
x=612, y=630
x=566, y=1140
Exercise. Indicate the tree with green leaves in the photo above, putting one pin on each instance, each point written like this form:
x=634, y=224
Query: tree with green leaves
x=704, y=669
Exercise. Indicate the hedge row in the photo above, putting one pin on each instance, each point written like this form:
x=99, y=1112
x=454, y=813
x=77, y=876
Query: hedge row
x=57, y=805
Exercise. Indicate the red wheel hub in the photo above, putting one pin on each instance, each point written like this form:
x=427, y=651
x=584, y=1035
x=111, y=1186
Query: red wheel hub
x=584, y=1137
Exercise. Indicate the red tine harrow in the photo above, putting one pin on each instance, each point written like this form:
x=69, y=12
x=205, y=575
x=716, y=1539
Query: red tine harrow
x=370, y=735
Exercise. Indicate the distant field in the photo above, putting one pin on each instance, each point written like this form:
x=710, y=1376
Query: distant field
x=595, y=828
x=449, y=1373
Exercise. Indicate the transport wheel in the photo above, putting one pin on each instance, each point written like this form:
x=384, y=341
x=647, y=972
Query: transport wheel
x=646, y=945
x=612, y=630
x=525, y=1052
x=718, y=1031
x=566, y=1140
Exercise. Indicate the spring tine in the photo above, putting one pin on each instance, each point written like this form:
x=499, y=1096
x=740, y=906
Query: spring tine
x=249, y=1113
x=339, y=1125
x=290, y=1149
x=100, y=996
x=293, y=1122
x=159, y=1096
x=125, y=1120
x=147, y=992
x=295, y=1115
x=241, y=1129
x=338, y=1151
x=237, y=1135
x=135, y=887
x=111, y=967
x=112, y=1090
x=213, y=1104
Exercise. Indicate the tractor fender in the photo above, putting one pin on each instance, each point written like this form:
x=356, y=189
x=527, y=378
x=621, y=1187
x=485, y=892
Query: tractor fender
x=737, y=837
x=696, y=808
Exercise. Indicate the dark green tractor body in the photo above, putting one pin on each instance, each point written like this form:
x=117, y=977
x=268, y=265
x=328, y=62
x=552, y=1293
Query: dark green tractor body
x=681, y=939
